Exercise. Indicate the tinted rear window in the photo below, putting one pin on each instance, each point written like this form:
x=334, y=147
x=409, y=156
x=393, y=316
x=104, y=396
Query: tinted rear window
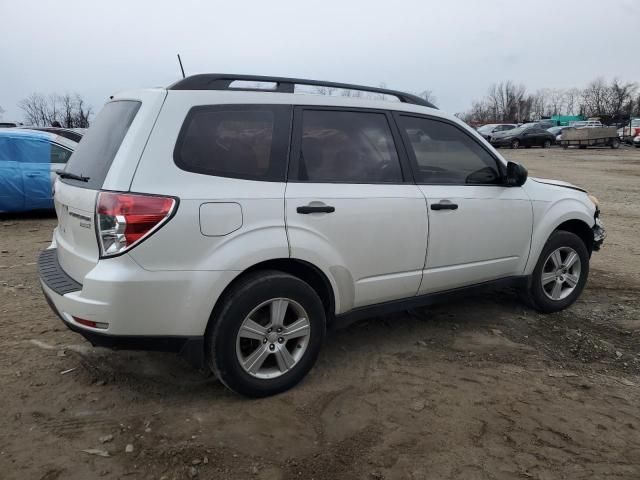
x=94, y=155
x=238, y=141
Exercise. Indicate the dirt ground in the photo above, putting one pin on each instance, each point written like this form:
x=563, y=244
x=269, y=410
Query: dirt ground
x=481, y=389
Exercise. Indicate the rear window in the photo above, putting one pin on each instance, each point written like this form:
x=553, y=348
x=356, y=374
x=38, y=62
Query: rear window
x=238, y=141
x=94, y=155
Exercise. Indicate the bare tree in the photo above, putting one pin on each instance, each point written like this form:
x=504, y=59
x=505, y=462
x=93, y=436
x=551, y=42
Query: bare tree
x=429, y=97
x=621, y=98
x=82, y=113
x=328, y=91
x=571, y=100
x=595, y=98
x=67, y=110
x=556, y=101
x=539, y=104
x=507, y=101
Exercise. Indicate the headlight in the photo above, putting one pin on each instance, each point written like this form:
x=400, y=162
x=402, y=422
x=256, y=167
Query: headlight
x=594, y=200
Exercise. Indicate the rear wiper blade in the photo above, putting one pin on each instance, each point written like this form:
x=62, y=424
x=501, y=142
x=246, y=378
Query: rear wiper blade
x=72, y=176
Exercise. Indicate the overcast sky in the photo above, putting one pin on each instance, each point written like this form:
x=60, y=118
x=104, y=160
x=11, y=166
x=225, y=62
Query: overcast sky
x=455, y=47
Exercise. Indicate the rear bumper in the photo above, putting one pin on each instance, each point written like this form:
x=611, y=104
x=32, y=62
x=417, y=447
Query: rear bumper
x=190, y=348
x=135, y=309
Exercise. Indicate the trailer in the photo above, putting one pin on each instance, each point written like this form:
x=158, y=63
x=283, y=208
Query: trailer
x=590, y=137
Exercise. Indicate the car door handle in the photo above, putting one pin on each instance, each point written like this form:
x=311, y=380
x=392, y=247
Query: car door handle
x=315, y=209
x=444, y=206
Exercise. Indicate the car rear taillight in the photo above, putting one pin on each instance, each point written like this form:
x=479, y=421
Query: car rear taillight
x=125, y=219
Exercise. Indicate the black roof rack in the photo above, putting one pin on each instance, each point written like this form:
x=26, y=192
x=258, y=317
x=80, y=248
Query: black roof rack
x=222, y=81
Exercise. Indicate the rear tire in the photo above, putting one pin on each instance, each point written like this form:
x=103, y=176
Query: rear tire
x=249, y=344
x=515, y=144
x=615, y=143
x=557, y=282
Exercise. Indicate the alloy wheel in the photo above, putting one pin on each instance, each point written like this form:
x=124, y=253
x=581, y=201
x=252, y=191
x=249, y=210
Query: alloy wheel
x=273, y=338
x=561, y=273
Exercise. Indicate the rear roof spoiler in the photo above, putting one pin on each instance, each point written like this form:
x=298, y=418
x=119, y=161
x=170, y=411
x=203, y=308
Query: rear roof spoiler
x=223, y=81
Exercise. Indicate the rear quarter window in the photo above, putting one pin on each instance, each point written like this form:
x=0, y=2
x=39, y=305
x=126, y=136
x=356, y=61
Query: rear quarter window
x=238, y=141
x=94, y=155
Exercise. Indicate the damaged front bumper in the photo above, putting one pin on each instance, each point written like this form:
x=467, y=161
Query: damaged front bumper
x=599, y=234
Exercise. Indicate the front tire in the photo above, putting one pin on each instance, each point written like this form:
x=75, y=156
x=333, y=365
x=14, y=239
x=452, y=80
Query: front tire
x=560, y=274
x=266, y=334
x=546, y=144
x=515, y=144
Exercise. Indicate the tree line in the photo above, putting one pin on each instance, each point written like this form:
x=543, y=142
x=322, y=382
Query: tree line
x=508, y=102
x=427, y=95
x=69, y=111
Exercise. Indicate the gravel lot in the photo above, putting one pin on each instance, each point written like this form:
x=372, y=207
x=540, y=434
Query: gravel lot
x=483, y=388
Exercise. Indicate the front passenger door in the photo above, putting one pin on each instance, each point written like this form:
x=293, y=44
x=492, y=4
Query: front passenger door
x=479, y=228
x=528, y=138
x=541, y=136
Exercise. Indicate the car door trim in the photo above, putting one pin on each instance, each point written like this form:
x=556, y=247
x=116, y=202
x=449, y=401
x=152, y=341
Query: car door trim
x=384, y=308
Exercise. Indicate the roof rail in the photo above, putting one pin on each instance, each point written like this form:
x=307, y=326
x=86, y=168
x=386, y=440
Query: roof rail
x=223, y=81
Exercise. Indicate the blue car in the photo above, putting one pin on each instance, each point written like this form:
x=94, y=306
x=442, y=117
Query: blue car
x=28, y=161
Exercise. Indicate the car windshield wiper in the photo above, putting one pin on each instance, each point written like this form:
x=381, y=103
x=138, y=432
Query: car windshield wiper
x=72, y=176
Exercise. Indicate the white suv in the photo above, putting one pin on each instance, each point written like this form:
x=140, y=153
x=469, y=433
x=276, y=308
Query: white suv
x=234, y=223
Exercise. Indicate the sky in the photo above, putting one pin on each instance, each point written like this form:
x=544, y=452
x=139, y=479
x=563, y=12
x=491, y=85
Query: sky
x=456, y=48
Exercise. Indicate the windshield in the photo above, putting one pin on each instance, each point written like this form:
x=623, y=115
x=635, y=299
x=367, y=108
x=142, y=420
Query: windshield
x=517, y=130
x=487, y=128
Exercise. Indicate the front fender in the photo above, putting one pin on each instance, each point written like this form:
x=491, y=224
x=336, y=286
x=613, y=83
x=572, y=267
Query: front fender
x=548, y=216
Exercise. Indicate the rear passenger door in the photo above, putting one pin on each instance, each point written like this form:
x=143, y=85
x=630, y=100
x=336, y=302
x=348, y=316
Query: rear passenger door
x=479, y=228
x=351, y=206
x=11, y=187
x=35, y=164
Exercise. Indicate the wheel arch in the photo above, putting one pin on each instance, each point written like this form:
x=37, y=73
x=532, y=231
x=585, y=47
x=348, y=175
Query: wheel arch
x=301, y=269
x=568, y=214
x=579, y=228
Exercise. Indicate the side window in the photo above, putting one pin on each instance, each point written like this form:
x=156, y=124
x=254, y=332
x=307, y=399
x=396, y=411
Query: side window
x=59, y=154
x=347, y=147
x=248, y=142
x=27, y=149
x=445, y=155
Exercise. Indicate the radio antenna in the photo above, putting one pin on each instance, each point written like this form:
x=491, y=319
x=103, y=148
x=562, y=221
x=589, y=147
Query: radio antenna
x=181, y=68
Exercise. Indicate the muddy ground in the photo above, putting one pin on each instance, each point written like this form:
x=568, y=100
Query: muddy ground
x=484, y=388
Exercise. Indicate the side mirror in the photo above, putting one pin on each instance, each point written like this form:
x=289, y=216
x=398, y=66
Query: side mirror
x=516, y=174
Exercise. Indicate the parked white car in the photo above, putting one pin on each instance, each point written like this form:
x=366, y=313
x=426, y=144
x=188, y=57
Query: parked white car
x=586, y=124
x=235, y=225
